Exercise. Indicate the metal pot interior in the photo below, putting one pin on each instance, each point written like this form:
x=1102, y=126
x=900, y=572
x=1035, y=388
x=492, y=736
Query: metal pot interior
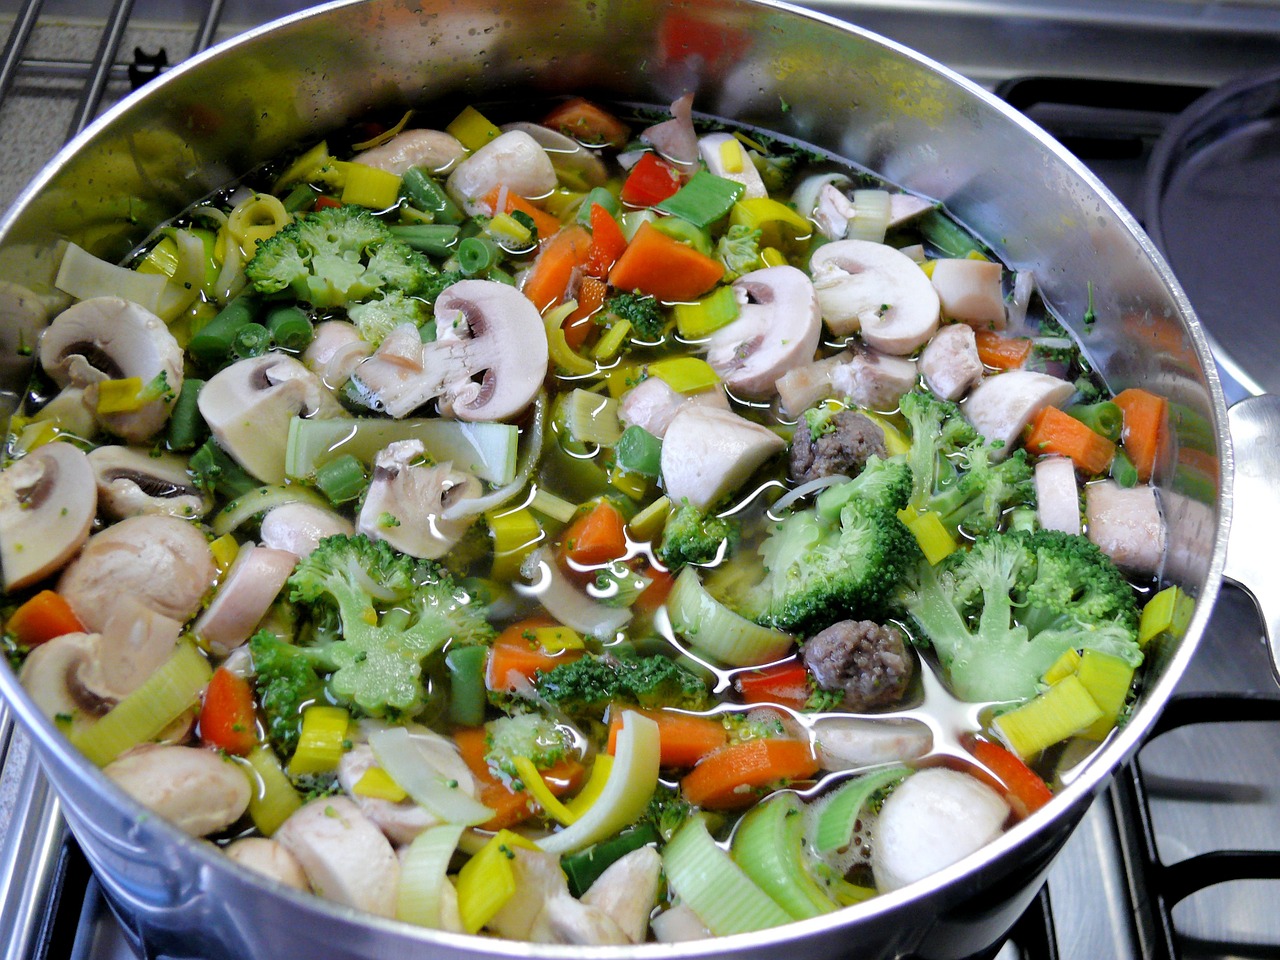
x=761, y=63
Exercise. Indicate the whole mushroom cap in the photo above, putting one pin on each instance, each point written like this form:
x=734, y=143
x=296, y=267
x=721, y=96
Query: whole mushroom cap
x=162, y=562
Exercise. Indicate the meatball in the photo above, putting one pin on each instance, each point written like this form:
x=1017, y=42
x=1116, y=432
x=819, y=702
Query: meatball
x=869, y=662
x=843, y=447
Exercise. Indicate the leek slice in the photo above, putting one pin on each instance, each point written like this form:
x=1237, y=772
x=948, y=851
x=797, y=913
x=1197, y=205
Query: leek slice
x=626, y=794
x=167, y=694
x=273, y=799
x=592, y=418
x=84, y=276
x=714, y=887
x=716, y=630
x=259, y=501
x=1108, y=679
x=422, y=874
x=1062, y=710
x=411, y=766
x=769, y=847
x=840, y=810
x=870, y=216
x=486, y=449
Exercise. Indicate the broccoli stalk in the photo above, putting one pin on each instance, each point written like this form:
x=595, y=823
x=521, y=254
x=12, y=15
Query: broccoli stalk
x=590, y=683
x=1000, y=614
x=691, y=536
x=842, y=558
x=389, y=612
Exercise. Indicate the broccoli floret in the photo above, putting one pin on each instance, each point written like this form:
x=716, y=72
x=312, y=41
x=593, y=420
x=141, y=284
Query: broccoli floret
x=691, y=536
x=667, y=811
x=525, y=735
x=335, y=257
x=956, y=473
x=590, y=683
x=842, y=558
x=1001, y=613
x=390, y=612
x=377, y=318
x=286, y=679
x=617, y=585
x=646, y=315
x=739, y=251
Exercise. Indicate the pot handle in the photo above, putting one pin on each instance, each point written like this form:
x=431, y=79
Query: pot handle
x=1253, y=544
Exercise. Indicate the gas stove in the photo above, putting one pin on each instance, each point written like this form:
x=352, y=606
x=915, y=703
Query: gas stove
x=1180, y=857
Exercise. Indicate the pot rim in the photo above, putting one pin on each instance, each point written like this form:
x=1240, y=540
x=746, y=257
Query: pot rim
x=1096, y=771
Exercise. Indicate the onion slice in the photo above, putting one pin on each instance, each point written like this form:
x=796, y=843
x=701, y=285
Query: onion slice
x=409, y=764
x=799, y=493
x=422, y=875
x=564, y=601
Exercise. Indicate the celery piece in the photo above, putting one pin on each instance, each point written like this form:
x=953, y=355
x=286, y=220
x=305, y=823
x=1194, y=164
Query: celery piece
x=164, y=696
x=410, y=760
x=1064, y=709
x=611, y=343
x=840, y=809
x=342, y=479
x=685, y=374
x=423, y=871
x=945, y=236
x=472, y=128
x=549, y=505
x=592, y=418
x=634, y=485
x=701, y=318
x=1108, y=679
x=870, y=216
x=703, y=200
x=768, y=845
x=259, y=500
x=627, y=792
x=715, y=888
x=583, y=868
x=649, y=522
x=321, y=743
x=486, y=449
x=714, y=629
x=639, y=451
x=467, y=700
x=273, y=798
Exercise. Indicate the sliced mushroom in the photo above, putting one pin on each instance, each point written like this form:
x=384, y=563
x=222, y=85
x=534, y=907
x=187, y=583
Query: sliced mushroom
x=874, y=380
x=726, y=157
x=970, y=290
x=47, y=676
x=570, y=158
x=107, y=338
x=513, y=160
x=198, y=791
x=48, y=500
x=950, y=361
x=335, y=351
x=299, y=527
x=270, y=859
x=489, y=368
x=652, y=404
x=708, y=453
x=407, y=499
x=1057, y=495
x=249, y=404
x=627, y=891
x=133, y=481
x=401, y=821
x=1126, y=524
x=251, y=585
x=850, y=743
x=433, y=150
x=777, y=328
x=676, y=139
x=878, y=290
x=345, y=857
x=1000, y=406
x=135, y=641
x=162, y=562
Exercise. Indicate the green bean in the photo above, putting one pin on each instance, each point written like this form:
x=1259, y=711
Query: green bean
x=251, y=340
x=186, y=427
x=212, y=346
x=437, y=239
x=300, y=198
x=423, y=192
x=1105, y=418
x=476, y=255
x=583, y=868
x=1123, y=471
x=342, y=479
x=290, y=327
x=467, y=697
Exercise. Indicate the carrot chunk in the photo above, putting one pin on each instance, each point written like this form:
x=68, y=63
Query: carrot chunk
x=1144, y=428
x=1055, y=432
x=731, y=778
x=656, y=264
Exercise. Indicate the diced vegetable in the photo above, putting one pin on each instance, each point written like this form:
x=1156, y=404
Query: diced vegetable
x=45, y=616
x=1053, y=432
x=701, y=318
x=684, y=738
x=322, y=741
x=227, y=715
x=729, y=778
x=656, y=264
x=597, y=537
x=1144, y=428
x=650, y=182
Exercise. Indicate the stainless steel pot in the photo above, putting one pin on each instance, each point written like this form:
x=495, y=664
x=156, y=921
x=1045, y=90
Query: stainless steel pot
x=764, y=63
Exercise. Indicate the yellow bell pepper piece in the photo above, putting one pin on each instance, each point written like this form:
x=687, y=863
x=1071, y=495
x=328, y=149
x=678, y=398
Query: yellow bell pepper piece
x=731, y=156
x=541, y=793
x=649, y=522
